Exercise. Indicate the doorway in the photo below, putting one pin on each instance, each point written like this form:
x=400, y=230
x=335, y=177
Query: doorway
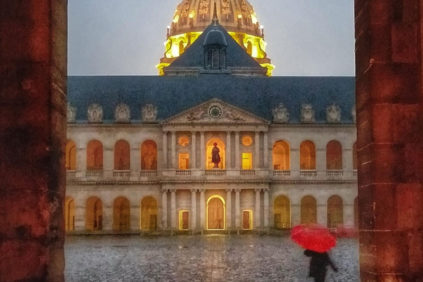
x=216, y=213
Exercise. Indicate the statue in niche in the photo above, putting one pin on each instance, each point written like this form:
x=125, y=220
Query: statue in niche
x=215, y=156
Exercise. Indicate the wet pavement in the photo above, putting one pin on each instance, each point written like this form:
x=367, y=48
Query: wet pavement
x=199, y=258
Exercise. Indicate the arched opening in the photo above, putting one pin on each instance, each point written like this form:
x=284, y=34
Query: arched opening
x=334, y=155
x=94, y=214
x=69, y=214
x=122, y=155
x=216, y=213
x=121, y=214
x=356, y=214
x=70, y=155
x=148, y=214
x=149, y=155
x=94, y=155
x=209, y=152
x=308, y=210
x=282, y=212
x=307, y=156
x=281, y=156
x=355, y=162
x=335, y=212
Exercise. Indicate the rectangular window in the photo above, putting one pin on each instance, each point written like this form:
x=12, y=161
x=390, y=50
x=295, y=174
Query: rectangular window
x=183, y=161
x=183, y=220
x=247, y=161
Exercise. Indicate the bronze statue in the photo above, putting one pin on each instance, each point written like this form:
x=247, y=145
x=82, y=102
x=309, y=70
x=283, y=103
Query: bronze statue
x=215, y=156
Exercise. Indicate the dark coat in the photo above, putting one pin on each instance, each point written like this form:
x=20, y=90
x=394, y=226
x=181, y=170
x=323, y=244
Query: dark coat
x=319, y=263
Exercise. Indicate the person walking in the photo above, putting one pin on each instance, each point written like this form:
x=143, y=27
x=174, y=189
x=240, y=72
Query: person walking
x=318, y=265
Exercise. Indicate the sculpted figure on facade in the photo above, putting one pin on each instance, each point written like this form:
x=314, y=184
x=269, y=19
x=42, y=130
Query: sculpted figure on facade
x=149, y=113
x=226, y=9
x=215, y=156
x=307, y=113
x=95, y=113
x=122, y=113
x=280, y=114
x=204, y=9
x=71, y=113
x=333, y=114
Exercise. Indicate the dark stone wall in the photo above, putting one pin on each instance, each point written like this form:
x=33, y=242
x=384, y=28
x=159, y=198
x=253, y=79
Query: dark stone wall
x=33, y=42
x=390, y=138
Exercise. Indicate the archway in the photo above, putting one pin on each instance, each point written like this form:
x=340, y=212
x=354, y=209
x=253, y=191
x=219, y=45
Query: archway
x=307, y=155
x=282, y=212
x=94, y=214
x=121, y=214
x=70, y=155
x=221, y=146
x=334, y=155
x=281, y=156
x=216, y=213
x=335, y=211
x=122, y=155
x=149, y=155
x=148, y=214
x=94, y=155
x=308, y=210
x=69, y=214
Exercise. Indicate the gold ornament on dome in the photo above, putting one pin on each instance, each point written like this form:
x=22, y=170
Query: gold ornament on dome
x=183, y=141
x=247, y=140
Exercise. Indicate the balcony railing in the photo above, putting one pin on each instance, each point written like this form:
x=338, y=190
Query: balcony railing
x=248, y=172
x=355, y=172
x=94, y=173
x=183, y=172
x=308, y=173
x=215, y=172
x=70, y=175
x=122, y=174
x=281, y=173
x=148, y=173
x=334, y=173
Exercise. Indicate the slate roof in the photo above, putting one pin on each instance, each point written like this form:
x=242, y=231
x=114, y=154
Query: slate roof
x=174, y=94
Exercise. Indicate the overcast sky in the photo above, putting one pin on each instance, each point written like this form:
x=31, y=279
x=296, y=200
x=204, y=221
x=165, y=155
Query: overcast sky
x=125, y=37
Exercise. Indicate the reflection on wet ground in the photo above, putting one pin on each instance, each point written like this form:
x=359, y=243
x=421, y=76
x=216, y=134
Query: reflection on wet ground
x=198, y=258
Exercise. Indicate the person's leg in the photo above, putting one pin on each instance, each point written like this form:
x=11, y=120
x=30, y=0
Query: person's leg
x=320, y=277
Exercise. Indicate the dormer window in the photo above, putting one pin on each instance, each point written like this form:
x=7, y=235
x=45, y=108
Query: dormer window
x=215, y=59
x=215, y=50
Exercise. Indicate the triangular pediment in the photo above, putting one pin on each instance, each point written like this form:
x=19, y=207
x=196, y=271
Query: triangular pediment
x=215, y=111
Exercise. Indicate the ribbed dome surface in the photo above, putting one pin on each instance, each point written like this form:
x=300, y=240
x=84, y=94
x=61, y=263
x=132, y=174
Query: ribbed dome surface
x=233, y=15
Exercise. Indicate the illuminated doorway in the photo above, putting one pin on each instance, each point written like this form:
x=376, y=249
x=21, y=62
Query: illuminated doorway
x=94, y=214
x=183, y=220
x=210, y=146
x=121, y=214
x=148, y=214
x=216, y=213
x=247, y=220
x=69, y=214
x=282, y=212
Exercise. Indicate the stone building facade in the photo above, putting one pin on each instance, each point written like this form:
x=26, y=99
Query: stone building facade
x=139, y=151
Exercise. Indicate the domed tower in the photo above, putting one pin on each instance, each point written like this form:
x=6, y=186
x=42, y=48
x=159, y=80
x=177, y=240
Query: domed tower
x=236, y=16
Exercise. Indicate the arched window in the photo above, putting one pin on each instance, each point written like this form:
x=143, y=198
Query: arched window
x=335, y=212
x=70, y=155
x=282, y=212
x=148, y=214
x=69, y=214
x=122, y=155
x=281, y=156
x=355, y=161
x=94, y=214
x=94, y=155
x=149, y=155
x=307, y=156
x=222, y=153
x=334, y=155
x=308, y=210
x=121, y=214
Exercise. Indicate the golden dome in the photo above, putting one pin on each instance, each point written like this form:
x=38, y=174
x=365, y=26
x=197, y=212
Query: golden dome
x=236, y=16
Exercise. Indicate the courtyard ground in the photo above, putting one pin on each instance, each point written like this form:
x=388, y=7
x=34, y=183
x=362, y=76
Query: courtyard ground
x=198, y=258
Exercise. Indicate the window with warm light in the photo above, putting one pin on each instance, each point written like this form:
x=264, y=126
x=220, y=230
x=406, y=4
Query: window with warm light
x=247, y=161
x=183, y=161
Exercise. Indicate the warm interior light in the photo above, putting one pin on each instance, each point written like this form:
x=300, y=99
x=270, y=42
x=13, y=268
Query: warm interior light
x=239, y=16
x=191, y=14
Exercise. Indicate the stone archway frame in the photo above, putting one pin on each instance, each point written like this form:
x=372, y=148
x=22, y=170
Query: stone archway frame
x=224, y=211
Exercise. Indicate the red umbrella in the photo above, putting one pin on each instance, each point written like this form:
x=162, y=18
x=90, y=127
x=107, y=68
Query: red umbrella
x=313, y=237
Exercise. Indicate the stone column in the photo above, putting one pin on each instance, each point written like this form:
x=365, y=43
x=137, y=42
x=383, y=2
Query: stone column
x=266, y=208
x=295, y=161
x=322, y=216
x=237, y=153
x=257, y=222
x=228, y=150
x=193, y=209
x=202, y=209
x=108, y=162
x=81, y=159
x=256, y=156
x=202, y=151
x=33, y=135
x=164, y=210
x=173, y=214
x=193, y=150
x=173, y=150
x=228, y=209
x=135, y=160
x=237, y=209
x=321, y=160
x=266, y=162
x=165, y=160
